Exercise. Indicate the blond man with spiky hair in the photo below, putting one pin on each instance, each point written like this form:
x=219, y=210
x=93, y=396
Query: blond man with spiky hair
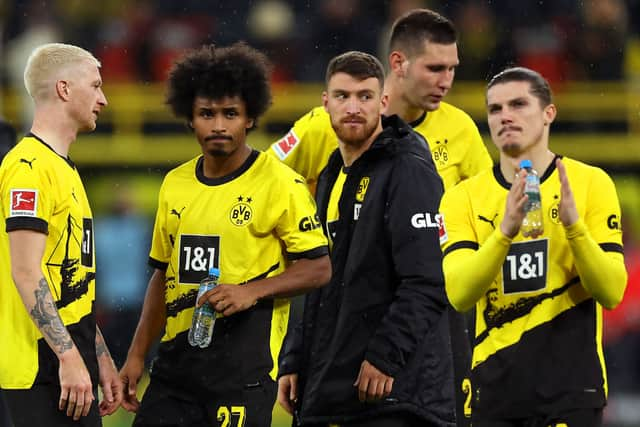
x=53, y=355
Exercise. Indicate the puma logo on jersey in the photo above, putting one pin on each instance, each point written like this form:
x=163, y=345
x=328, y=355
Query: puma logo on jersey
x=176, y=213
x=490, y=221
x=29, y=162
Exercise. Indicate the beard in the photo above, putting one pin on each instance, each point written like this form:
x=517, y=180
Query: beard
x=512, y=149
x=354, y=136
x=218, y=152
x=218, y=149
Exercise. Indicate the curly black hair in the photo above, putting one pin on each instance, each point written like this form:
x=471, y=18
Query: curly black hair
x=217, y=72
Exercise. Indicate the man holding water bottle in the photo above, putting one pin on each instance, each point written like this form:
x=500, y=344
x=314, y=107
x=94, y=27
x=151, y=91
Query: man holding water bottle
x=537, y=357
x=237, y=210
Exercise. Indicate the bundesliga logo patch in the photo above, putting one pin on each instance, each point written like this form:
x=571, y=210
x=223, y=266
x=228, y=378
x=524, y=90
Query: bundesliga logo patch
x=442, y=231
x=24, y=202
x=286, y=144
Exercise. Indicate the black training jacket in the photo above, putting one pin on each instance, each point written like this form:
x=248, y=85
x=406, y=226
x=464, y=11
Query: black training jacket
x=386, y=301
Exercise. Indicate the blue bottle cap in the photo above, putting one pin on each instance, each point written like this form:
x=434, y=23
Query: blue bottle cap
x=526, y=163
x=214, y=272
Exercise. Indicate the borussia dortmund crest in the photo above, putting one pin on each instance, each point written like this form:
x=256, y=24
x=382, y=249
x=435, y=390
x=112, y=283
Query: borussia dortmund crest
x=362, y=188
x=554, y=210
x=241, y=213
x=440, y=154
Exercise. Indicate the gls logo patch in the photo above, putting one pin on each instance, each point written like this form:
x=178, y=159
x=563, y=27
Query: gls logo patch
x=24, y=202
x=309, y=223
x=429, y=220
x=613, y=222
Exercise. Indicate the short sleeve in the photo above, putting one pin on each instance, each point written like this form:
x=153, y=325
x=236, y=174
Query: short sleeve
x=299, y=226
x=308, y=144
x=27, y=196
x=602, y=216
x=458, y=226
x=477, y=158
x=161, y=246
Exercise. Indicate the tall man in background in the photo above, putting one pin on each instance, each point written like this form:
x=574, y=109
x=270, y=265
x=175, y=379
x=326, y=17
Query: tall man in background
x=53, y=355
x=422, y=60
x=537, y=358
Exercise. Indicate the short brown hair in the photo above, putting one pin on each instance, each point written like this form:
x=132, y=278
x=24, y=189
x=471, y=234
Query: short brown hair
x=356, y=64
x=411, y=30
x=539, y=85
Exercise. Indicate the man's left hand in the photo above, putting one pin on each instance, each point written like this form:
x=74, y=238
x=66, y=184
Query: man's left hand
x=372, y=383
x=230, y=299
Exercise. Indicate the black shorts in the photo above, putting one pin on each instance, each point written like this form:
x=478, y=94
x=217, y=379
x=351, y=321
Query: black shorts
x=577, y=417
x=163, y=407
x=38, y=406
x=389, y=420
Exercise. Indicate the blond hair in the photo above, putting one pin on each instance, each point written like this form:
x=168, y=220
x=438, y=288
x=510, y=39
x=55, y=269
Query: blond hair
x=45, y=63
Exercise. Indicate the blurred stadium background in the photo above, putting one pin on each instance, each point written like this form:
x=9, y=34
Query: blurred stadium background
x=588, y=49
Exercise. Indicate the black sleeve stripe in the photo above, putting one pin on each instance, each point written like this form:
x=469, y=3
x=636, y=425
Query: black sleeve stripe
x=310, y=254
x=27, y=223
x=157, y=264
x=612, y=247
x=465, y=244
x=271, y=269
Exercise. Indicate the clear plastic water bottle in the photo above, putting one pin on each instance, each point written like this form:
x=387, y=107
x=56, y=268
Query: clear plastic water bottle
x=204, y=317
x=532, y=225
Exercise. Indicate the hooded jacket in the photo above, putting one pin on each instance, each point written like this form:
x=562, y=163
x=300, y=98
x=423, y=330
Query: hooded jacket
x=386, y=301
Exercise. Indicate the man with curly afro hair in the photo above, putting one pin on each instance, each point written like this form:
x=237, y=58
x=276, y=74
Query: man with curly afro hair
x=240, y=211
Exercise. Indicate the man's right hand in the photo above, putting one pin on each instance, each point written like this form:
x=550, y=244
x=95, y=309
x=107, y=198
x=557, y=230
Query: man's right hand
x=288, y=392
x=130, y=375
x=76, y=390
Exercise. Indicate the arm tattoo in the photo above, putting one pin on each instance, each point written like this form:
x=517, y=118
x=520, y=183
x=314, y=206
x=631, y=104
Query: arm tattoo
x=46, y=316
x=101, y=346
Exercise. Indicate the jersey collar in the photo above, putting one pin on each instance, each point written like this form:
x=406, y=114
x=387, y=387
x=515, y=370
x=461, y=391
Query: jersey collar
x=224, y=179
x=66, y=159
x=497, y=173
x=419, y=120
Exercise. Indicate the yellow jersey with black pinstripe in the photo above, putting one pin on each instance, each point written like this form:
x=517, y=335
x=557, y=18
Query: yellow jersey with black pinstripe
x=250, y=225
x=538, y=338
x=42, y=191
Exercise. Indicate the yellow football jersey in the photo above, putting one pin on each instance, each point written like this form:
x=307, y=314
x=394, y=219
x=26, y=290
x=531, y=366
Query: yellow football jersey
x=538, y=331
x=42, y=191
x=249, y=225
x=455, y=143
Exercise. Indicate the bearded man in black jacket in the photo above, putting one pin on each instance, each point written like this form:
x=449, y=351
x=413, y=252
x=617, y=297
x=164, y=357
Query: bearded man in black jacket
x=373, y=347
